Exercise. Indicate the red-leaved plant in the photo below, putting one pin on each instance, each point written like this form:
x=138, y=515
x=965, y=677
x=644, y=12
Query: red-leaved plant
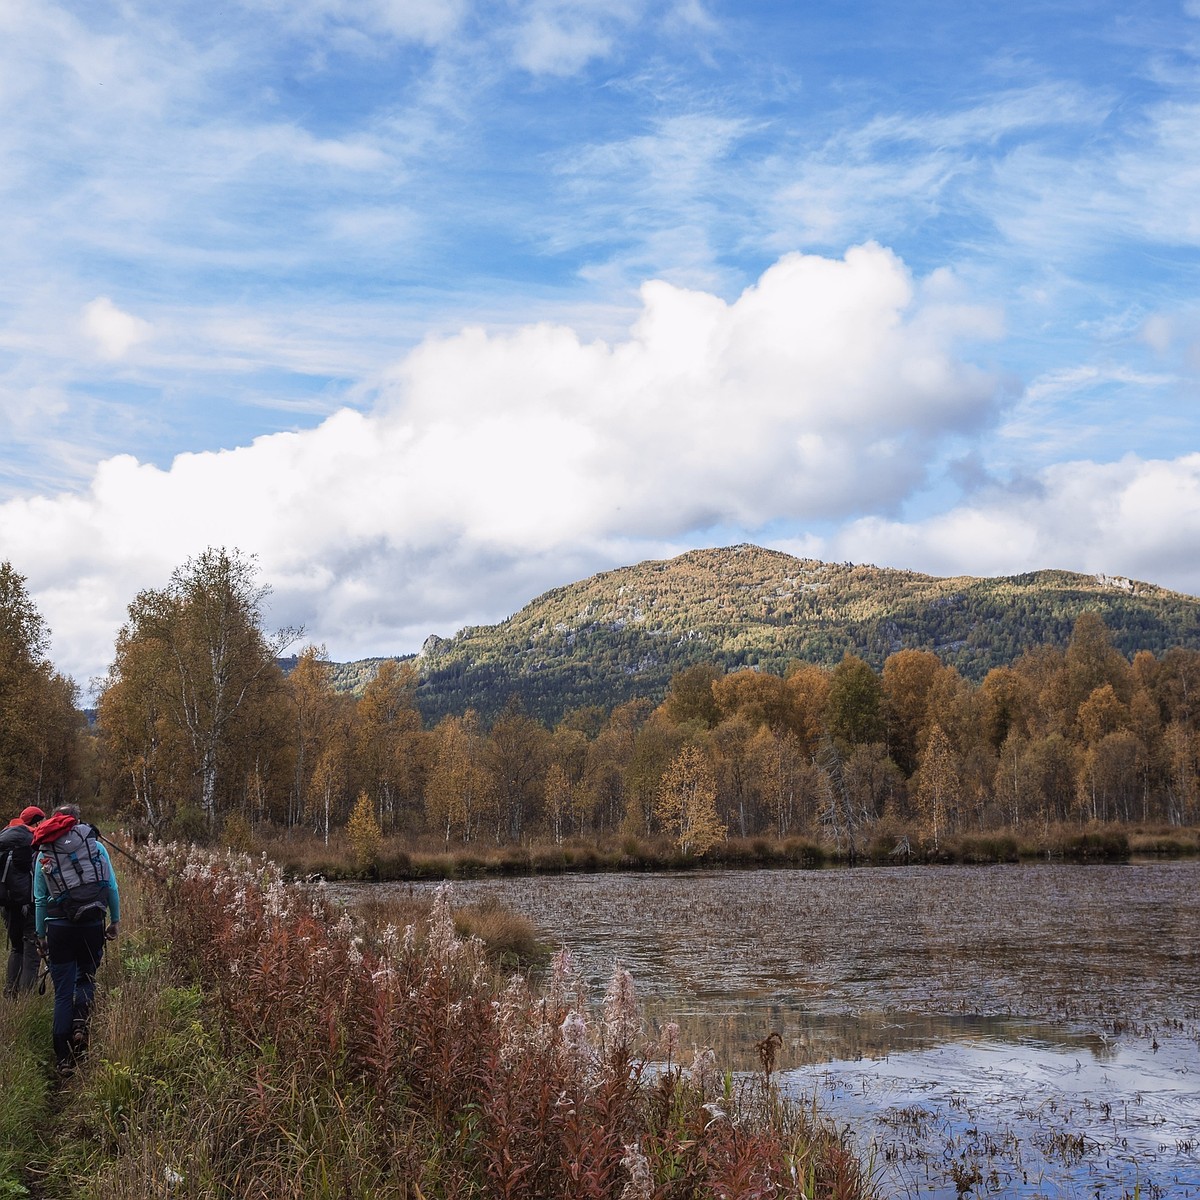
x=404, y=1049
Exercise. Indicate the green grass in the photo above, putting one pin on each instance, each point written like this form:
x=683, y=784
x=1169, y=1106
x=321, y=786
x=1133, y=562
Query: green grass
x=25, y=1090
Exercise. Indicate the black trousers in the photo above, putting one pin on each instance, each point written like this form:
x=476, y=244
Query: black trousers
x=75, y=952
x=22, y=971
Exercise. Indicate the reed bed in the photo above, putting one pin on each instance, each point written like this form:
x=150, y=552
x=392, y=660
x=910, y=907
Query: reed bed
x=256, y=1042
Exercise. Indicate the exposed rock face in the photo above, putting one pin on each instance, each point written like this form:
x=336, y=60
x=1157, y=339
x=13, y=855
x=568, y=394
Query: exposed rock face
x=432, y=646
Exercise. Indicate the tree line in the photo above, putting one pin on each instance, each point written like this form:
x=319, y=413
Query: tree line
x=198, y=727
x=41, y=747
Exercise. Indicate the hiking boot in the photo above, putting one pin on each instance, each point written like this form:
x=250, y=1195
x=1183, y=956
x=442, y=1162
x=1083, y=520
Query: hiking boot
x=64, y=1067
x=79, y=1037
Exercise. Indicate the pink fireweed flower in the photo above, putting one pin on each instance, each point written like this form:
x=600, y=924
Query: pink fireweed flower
x=622, y=1024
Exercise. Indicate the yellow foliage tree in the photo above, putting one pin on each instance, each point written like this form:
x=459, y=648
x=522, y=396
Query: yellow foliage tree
x=387, y=736
x=558, y=797
x=937, y=790
x=185, y=703
x=687, y=803
x=460, y=793
x=364, y=833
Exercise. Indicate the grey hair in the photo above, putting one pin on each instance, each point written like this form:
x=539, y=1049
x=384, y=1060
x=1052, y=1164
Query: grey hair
x=68, y=810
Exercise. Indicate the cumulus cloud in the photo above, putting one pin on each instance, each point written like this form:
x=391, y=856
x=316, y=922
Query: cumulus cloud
x=113, y=332
x=1136, y=517
x=494, y=465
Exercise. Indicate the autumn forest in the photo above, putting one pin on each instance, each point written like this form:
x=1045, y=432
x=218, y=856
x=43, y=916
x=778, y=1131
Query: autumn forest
x=199, y=732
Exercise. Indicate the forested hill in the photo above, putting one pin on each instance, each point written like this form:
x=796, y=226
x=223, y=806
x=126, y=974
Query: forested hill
x=623, y=633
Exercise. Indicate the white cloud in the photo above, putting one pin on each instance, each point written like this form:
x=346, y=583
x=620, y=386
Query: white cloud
x=494, y=465
x=549, y=47
x=1158, y=332
x=1015, y=111
x=427, y=21
x=1138, y=518
x=113, y=332
x=692, y=15
x=1139, y=181
x=560, y=37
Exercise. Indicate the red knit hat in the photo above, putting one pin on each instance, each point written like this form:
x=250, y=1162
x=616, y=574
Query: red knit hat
x=32, y=815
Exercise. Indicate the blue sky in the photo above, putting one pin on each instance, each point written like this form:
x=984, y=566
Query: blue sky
x=435, y=305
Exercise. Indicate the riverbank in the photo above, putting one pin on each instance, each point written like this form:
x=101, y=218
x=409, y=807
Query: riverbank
x=302, y=855
x=251, y=1039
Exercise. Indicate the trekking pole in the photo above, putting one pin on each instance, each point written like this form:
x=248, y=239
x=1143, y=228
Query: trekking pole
x=44, y=959
x=133, y=859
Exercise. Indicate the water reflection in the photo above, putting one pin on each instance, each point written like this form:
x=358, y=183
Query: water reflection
x=869, y=961
x=1020, y=1118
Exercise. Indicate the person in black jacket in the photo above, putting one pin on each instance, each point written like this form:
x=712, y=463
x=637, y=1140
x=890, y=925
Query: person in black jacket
x=16, y=866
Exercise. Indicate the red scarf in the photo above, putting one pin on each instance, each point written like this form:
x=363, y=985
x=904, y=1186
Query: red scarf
x=52, y=828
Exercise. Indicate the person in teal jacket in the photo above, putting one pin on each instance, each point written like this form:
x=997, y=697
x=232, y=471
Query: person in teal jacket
x=77, y=908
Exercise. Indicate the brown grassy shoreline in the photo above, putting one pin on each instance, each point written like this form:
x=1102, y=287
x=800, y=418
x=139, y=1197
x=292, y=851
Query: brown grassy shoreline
x=402, y=860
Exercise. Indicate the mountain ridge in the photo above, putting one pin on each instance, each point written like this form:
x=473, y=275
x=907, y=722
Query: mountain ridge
x=622, y=633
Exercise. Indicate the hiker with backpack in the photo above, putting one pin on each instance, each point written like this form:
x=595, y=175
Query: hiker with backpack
x=16, y=900
x=75, y=895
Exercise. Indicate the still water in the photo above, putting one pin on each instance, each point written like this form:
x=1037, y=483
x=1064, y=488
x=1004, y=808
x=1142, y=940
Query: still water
x=1015, y=1030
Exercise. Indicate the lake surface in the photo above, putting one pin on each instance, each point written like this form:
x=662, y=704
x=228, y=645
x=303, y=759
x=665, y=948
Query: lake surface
x=1031, y=1028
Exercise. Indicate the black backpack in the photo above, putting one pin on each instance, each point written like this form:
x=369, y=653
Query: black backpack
x=76, y=874
x=16, y=865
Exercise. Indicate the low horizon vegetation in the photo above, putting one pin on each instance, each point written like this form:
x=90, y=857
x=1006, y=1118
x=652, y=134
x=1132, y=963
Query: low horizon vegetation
x=1079, y=735
x=305, y=855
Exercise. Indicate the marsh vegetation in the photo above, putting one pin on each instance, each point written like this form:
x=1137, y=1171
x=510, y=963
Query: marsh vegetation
x=1034, y=1024
x=255, y=1040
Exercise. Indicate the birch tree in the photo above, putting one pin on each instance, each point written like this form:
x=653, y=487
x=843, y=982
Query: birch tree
x=687, y=803
x=201, y=638
x=937, y=788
